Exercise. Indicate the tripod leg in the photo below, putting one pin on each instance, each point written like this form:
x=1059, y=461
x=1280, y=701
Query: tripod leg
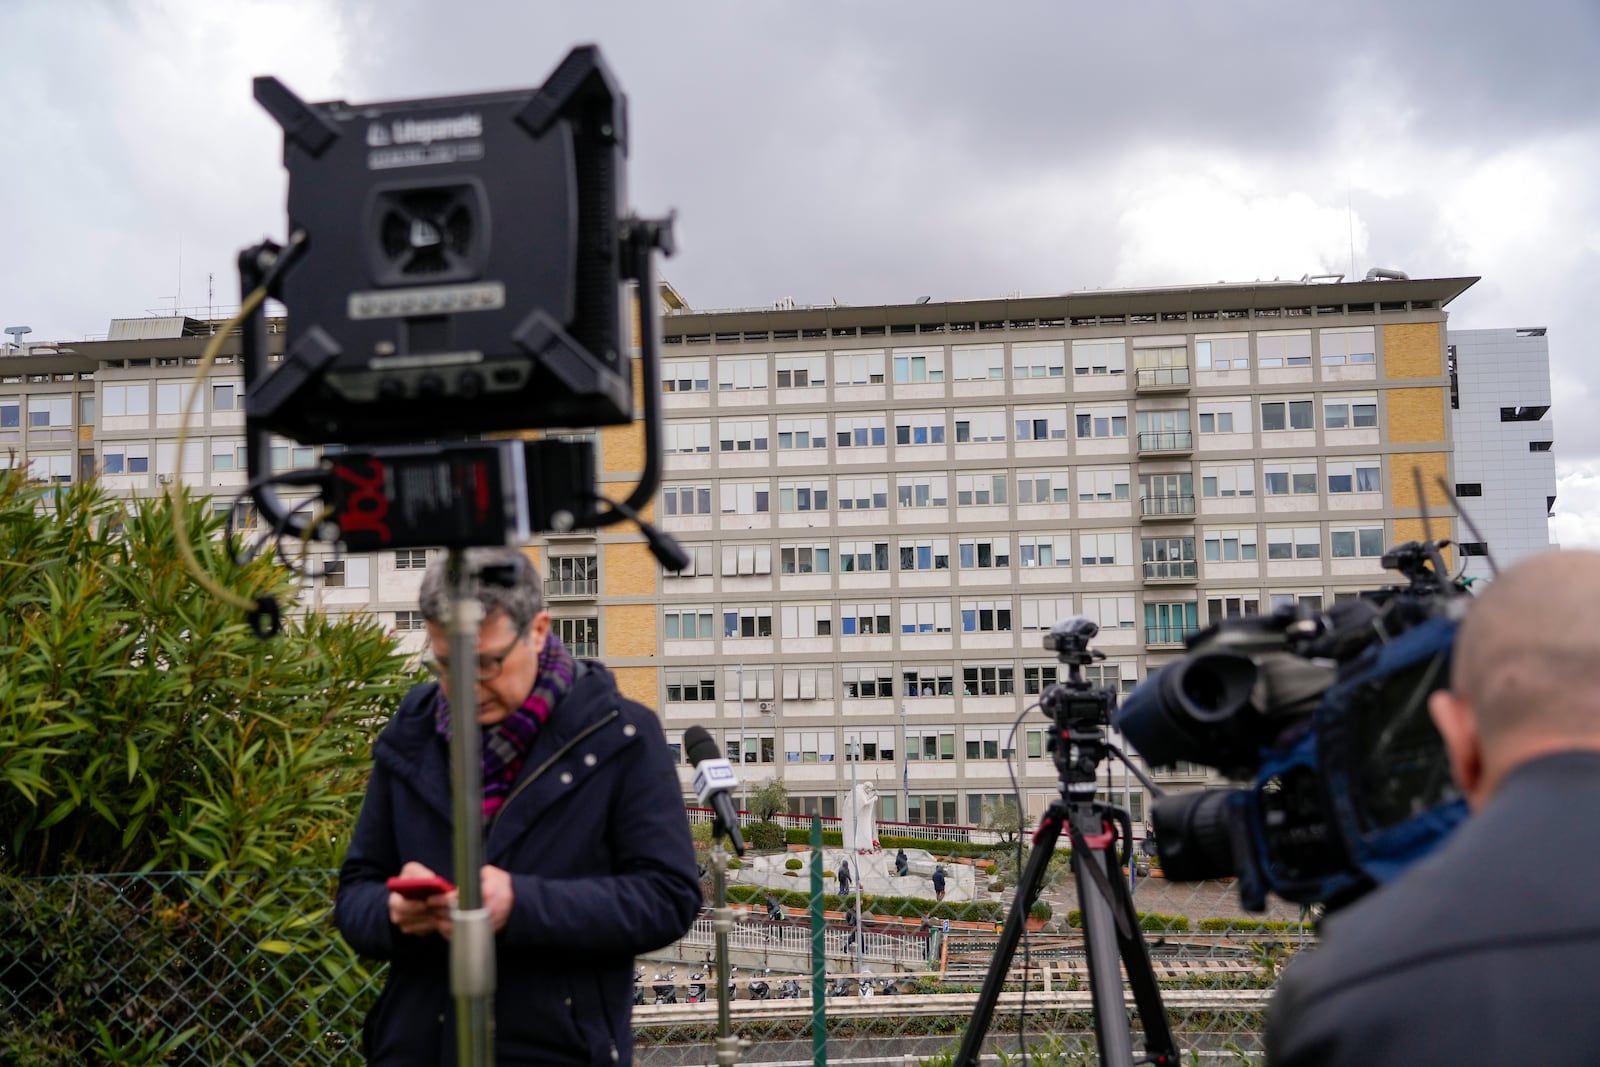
x=1032, y=880
x=1102, y=942
x=1160, y=1045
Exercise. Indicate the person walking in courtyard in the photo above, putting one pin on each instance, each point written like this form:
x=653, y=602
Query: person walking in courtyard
x=844, y=877
x=938, y=882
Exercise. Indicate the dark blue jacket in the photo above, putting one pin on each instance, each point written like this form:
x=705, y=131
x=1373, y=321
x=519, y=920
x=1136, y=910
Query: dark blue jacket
x=595, y=838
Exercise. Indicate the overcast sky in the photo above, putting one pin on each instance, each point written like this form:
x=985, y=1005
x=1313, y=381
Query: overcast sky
x=875, y=152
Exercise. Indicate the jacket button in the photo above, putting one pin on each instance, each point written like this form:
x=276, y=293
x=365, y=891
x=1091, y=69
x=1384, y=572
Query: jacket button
x=628, y=731
x=568, y=1002
x=590, y=760
x=566, y=777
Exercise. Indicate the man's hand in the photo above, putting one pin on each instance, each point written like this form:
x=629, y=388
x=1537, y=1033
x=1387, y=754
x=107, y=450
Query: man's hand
x=498, y=896
x=421, y=917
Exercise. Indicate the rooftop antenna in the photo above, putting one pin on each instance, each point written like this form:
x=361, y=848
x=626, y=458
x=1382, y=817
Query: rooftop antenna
x=17, y=333
x=923, y=299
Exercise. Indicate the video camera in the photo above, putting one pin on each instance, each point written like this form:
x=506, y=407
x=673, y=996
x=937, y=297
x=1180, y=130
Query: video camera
x=1327, y=713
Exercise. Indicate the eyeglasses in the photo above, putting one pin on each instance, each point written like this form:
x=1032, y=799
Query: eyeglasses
x=489, y=667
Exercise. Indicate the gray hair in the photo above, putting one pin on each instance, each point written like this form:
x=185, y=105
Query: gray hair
x=521, y=599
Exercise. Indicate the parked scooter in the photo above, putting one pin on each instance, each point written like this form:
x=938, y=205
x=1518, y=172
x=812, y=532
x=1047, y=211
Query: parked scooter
x=638, y=986
x=789, y=989
x=733, y=983
x=697, y=987
x=759, y=987
x=666, y=987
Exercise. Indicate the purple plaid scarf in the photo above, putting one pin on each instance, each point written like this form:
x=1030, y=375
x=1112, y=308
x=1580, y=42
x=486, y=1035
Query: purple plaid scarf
x=506, y=743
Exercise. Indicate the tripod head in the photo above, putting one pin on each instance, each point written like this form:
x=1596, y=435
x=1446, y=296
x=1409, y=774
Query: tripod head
x=1080, y=712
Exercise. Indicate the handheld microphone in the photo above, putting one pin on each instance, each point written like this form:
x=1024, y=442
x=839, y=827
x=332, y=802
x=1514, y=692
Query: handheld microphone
x=714, y=780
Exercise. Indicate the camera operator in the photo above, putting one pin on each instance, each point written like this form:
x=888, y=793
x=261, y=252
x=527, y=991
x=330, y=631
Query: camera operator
x=1483, y=952
x=588, y=860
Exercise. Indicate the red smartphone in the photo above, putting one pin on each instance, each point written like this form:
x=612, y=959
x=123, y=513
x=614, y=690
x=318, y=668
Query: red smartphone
x=420, y=888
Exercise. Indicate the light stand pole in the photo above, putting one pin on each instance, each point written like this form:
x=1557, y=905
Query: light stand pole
x=744, y=776
x=855, y=840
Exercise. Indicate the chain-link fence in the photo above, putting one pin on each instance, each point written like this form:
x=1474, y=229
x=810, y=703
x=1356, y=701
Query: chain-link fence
x=189, y=970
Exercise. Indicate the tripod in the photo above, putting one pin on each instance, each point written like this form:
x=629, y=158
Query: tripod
x=1110, y=925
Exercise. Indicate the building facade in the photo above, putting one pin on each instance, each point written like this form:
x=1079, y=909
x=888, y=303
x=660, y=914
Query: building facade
x=886, y=508
x=1505, y=466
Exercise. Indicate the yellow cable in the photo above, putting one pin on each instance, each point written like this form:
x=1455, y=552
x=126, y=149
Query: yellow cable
x=180, y=526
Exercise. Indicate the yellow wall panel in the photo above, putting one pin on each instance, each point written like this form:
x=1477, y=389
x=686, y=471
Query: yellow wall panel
x=638, y=683
x=1412, y=530
x=622, y=448
x=630, y=570
x=1413, y=350
x=1403, y=480
x=1416, y=415
x=630, y=631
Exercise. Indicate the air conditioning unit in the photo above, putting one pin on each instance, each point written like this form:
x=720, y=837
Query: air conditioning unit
x=164, y=479
x=765, y=705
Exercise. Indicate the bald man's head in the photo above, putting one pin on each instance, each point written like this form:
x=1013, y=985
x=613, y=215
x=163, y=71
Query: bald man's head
x=1527, y=659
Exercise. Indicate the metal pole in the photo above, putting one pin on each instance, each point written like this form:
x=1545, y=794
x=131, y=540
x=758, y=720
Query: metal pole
x=905, y=769
x=855, y=840
x=744, y=776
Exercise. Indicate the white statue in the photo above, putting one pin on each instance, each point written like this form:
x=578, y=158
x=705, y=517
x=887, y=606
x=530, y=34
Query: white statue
x=861, y=830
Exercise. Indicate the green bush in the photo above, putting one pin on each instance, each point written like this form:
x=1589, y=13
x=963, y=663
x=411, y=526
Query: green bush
x=1153, y=922
x=1240, y=926
x=765, y=836
x=735, y=863
x=792, y=863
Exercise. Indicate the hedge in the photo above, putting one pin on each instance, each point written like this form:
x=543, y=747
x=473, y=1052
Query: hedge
x=962, y=849
x=1149, y=921
x=981, y=911
x=1241, y=926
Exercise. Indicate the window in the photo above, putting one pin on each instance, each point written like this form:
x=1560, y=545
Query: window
x=983, y=742
x=86, y=409
x=11, y=414
x=580, y=635
x=932, y=810
x=1222, y=608
x=1524, y=413
x=245, y=515
x=281, y=454
x=1103, y=421
x=979, y=362
x=1106, y=549
x=1041, y=613
x=808, y=683
x=1363, y=542
x=863, y=556
x=858, y=368
x=924, y=616
x=870, y=746
x=690, y=686
x=742, y=435
x=686, y=376
x=172, y=398
x=867, y=681
x=1474, y=548
x=1109, y=612
x=1108, y=356
x=409, y=620
x=1284, y=348
x=980, y=489
x=1311, y=602
x=980, y=426
x=1101, y=484
x=930, y=743
x=1297, y=542
x=690, y=624
x=193, y=457
x=1539, y=446
x=986, y=553
x=682, y=437
x=864, y=619
x=1164, y=429
x=863, y=494
x=49, y=411
x=1048, y=550
x=1230, y=546
x=928, y=679
x=1353, y=476
x=925, y=554
x=1228, y=479
x=1046, y=359
x=801, y=372
x=743, y=561
x=986, y=616
x=994, y=680
x=802, y=433
x=1282, y=479
x=1161, y=361
x=228, y=454
x=1286, y=415
x=1340, y=347
x=1168, y=557
x=1222, y=351
x=1166, y=494
x=809, y=746
x=126, y=459
x=411, y=559
x=919, y=428
x=806, y=620
x=804, y=559
x=1349, y=412
x=741, y=373
x=859, y=431
x=1042, y=487
x=922, y=490
x=699, y=564
x=127, y=399
x=1036, y=678
x=1469, y=489
x=756, y=746
x=57, y=468
x=1041, y=424
x=746, y=498
x=803, y=495
x=1225, y=416
x=686, y=500
x=353, y=573
x=918, y=365
x=751, y=621
x=1169, y=624
x=225, y=396
x=1110, y=676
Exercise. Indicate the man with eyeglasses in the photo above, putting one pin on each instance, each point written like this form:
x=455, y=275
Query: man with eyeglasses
x=588, y=859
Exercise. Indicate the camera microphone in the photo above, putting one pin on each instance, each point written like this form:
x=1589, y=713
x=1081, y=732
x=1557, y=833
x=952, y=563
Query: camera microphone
x=714, y=780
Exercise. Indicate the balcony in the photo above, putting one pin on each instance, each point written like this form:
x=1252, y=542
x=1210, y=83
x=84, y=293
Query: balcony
x=1171, y=570
x=1171, y=507
x=1166, y=442
x=1165, y=636
x=1161, y=380
x=571, y=588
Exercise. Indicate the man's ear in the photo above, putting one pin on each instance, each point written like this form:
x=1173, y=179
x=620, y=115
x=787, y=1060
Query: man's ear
x=1458, y=727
